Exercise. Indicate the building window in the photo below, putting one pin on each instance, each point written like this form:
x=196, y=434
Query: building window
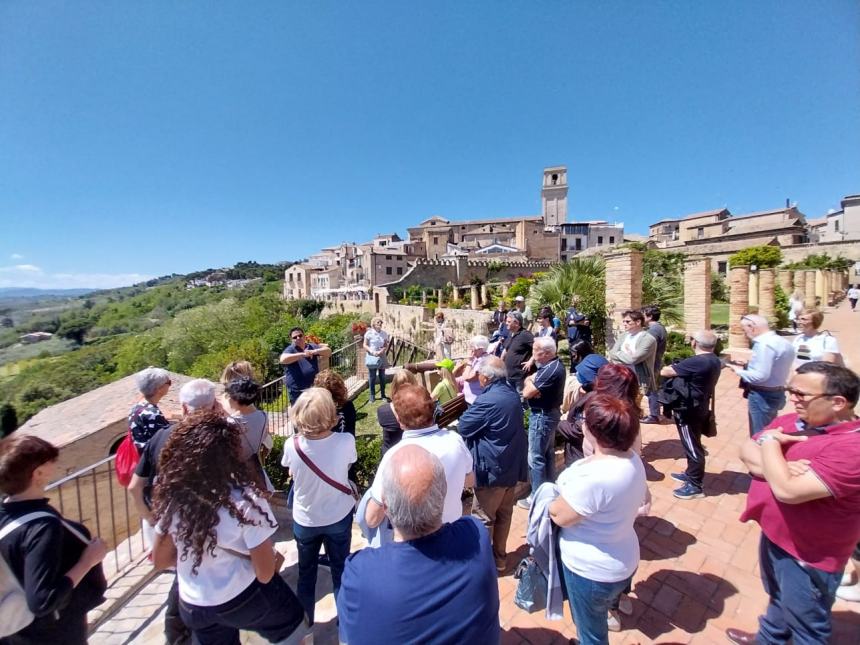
x=387, y=257
x=435, y=240
x=612, y=239
x=564, y=244
x=700, y=232
x=564, y=258
x=836, y=225
x=399, y=270
x=579, y=244
x=722, y=267
x=387, y=270
x=599, y=240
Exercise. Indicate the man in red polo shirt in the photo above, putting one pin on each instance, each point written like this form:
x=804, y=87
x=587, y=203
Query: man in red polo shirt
x=805, y=495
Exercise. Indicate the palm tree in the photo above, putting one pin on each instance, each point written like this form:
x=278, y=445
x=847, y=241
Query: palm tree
x=583, y=277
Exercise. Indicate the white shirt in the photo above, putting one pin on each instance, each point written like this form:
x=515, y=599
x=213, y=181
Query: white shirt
x=375, y=339
x=607, y=492
x=629, y=344
x=813, y=348
x=854, y=293
x=223, y=577
x=316, y=503
x=771, y=361
x=451, y=450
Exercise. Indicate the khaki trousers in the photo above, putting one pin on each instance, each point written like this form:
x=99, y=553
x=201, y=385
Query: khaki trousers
x=494, y=506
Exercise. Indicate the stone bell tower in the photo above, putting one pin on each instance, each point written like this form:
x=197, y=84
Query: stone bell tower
x=554, y=196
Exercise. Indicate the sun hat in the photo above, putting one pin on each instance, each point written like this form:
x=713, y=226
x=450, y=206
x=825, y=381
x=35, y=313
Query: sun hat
x=447, y=363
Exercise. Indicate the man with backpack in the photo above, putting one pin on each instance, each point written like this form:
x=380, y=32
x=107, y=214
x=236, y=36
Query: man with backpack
x=700, y=373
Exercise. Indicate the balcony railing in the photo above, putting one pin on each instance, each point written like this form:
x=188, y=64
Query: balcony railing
x=93, y=497
x=347, y=361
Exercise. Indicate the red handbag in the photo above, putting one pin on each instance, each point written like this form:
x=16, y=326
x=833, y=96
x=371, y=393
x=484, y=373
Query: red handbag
x=127, y=457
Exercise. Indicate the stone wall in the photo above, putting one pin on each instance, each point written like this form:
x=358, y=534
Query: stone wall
x=415, y=324
x=465, y=324
x=697, y=294
x=738, y=305
x=623, y=288
x=349, y=307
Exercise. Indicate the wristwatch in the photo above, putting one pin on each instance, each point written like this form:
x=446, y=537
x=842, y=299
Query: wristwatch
x=765, y=437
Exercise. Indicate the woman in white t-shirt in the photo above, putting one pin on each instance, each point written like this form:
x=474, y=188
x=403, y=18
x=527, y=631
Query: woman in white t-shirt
x=600, y=497
x=319, y=462
x=812, y=344
x=215, y=527
x=795, y=306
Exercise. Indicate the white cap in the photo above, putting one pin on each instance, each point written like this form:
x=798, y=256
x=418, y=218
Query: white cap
x=520, y=299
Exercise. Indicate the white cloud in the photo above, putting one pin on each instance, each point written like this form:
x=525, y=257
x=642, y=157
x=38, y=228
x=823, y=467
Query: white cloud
x=32, y=277
x=16, y=256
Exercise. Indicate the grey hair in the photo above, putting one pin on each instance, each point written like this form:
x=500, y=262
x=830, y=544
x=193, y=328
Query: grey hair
x=757, y=321
x=706, y=339
x=198, y=394
x=479, y=342
x=516, y=315
x=545, y=343
x=149, y=380
x=414, y=515
x=493, y=370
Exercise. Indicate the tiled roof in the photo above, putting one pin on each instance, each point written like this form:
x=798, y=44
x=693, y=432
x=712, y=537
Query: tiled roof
x=66, y=422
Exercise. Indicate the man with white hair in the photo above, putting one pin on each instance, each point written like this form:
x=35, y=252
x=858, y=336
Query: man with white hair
x=700, y=373
x=195, y=396
x=466, y=371
x=544, y=391
x=494, y=432
x=435, y=583
x=767, y=372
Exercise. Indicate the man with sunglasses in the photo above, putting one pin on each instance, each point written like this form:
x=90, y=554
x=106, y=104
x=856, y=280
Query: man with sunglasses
x=805, y=495
x=763, y=378
x=301, y=363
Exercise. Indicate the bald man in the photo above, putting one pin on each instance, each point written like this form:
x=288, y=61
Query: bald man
x=765, y=376
x=436, y=582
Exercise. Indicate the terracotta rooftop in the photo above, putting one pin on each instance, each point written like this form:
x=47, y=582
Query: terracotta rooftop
x=66, y=422
x=692, y=216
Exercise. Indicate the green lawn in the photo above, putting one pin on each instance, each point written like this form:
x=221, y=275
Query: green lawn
x=365, y=414
x=719, y=314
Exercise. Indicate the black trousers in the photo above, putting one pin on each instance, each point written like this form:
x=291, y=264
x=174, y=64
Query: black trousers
x=175, y=631
x=690, y=428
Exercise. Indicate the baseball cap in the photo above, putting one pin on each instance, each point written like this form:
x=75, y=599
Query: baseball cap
x=447, y=363
x=519, y=299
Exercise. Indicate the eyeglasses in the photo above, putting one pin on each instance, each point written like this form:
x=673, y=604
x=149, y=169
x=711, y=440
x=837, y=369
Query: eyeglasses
x=806, y=397
x=297, y=336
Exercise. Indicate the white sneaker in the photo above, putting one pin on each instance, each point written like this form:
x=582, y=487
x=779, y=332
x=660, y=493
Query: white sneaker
x=613, y=621
x=850, y=593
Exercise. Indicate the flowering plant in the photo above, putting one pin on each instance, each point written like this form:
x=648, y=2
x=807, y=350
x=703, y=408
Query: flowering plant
x=359, y=328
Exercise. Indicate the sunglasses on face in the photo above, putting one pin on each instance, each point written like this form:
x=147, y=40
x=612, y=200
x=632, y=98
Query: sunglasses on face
x=806, y=397
x=297, y=336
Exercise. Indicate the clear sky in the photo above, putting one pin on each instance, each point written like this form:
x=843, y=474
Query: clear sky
x=145, y=138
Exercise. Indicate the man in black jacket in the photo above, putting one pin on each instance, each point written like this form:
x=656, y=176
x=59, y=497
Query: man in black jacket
x=494, y=432
x=701, y=373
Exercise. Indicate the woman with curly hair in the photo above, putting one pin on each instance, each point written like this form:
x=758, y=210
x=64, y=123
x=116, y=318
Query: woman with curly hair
x=319, y=462
x=214, y=526
x=334, y=383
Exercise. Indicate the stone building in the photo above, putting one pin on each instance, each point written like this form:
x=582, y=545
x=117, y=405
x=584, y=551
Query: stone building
x=579, y=237
x=839, y=226
x=718, y=233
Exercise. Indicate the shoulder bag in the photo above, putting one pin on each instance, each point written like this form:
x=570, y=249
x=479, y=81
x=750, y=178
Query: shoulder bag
x=351, y=490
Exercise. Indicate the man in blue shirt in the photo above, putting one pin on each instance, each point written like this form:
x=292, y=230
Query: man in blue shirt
x=301, y=363
x=767, y=372
x=435, y=583
x=578, y=325
x=494, y=432
x=544, y=391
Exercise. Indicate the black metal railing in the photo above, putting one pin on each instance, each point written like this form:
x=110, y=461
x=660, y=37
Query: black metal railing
x=93, y=497
x=401, y=351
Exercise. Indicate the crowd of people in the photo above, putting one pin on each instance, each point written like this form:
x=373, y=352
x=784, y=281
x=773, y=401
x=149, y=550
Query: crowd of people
x=430, y=572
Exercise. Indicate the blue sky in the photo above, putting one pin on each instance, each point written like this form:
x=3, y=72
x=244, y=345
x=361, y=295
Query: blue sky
x=139, y=139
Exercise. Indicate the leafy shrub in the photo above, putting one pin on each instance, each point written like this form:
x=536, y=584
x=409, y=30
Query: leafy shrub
x=369, y=450
x=781, y=307
x=763, y=257
x=719, y=288
x=8, y=419
x=279, y=475
x=677, y=347
x=305, y=308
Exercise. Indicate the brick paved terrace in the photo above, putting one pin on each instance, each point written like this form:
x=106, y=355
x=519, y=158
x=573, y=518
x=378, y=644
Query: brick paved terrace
x=699, y=568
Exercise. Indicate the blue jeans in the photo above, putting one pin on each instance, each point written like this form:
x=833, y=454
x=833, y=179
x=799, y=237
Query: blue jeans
x=589, y=603
x=376, y=375
x=309, y=539
x=542, y=426
x=800, y=598
x=763, y=408
x=271, y=610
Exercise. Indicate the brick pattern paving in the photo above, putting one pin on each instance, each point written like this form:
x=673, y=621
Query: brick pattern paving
x=699, y=569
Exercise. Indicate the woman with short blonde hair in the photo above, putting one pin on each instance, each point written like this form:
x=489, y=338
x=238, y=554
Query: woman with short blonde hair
x=322, y=510
x=812, y=344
